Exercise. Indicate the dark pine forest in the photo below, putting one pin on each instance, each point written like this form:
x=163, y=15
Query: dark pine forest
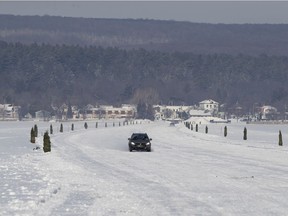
x=55, y=60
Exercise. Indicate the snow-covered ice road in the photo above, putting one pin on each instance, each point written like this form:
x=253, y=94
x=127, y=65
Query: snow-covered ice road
x=91, y=172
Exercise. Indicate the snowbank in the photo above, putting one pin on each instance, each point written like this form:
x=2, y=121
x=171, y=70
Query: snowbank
x=204, y=120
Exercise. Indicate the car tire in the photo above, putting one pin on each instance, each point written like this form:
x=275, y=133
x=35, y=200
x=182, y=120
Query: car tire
x=130, y=149
x=149, y=150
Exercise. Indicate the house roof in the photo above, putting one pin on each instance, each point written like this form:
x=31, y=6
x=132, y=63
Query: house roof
x=41, y=111
x=209, y=101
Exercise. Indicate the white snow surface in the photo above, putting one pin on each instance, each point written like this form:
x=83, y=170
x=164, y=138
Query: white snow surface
x=91, y=172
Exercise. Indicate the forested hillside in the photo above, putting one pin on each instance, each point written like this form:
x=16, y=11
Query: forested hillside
x=35, y=76
x=148, y=34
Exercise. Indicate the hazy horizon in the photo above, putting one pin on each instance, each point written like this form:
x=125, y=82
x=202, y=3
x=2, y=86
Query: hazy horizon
x=227, y=12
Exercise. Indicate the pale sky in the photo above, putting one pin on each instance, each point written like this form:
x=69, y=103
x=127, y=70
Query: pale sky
x=193, y=11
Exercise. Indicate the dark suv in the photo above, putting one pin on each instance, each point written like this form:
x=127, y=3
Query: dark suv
x=139, y=141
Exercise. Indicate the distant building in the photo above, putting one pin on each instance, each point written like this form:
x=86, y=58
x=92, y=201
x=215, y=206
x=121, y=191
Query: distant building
x=9, y=112
x=170, y=112
x=110, y=112
x=268, y=113
x=209, y=105
x=125, y=111
x=42, y=115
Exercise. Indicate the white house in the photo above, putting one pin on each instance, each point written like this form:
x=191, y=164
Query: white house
x=169, y=112
x=209, y=105
x=42, y=115
x=9, y=112
x=124, y=111
x=268, y=112
x=110, y=112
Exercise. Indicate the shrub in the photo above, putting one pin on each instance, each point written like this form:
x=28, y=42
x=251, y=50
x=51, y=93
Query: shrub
x=245, y=133
x=36, y=130
x=32, y=135
x=280, y=141
x=46, y=143
x=51, y=129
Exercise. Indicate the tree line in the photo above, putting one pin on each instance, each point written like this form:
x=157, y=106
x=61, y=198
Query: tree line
x=168, y=36
x=36, y=76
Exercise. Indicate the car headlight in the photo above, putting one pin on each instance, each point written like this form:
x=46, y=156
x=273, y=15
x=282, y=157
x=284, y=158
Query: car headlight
x=148, y=143
x=132, y=143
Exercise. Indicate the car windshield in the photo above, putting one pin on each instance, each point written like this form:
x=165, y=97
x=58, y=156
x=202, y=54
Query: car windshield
x=139, y=137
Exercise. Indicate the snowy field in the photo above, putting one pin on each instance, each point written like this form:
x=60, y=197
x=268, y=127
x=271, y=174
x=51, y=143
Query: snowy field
x=91, y=172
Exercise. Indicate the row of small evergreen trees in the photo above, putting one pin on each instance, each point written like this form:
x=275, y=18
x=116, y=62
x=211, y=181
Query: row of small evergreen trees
x=190, y=127
x=46, y=137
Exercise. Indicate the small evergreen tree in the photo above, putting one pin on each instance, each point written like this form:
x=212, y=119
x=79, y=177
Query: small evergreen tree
x=245, y=133
x=72, y=127
x=191, y=126
x=36, y=130
x=280, y=142
x=119, y=124
x=96, y=125
x=105, y=124
x=196, y=128
x=206, y=129
x=85, y=125
x=46, y=143
x=61, y=128
x=113, y=124
x=225, y=131
x=32, y=135
x=51, y=129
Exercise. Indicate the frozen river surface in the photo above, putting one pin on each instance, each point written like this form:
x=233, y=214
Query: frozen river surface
x=91, y=172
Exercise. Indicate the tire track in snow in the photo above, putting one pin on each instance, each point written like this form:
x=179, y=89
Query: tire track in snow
x=159, y=196
x=186, y=174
